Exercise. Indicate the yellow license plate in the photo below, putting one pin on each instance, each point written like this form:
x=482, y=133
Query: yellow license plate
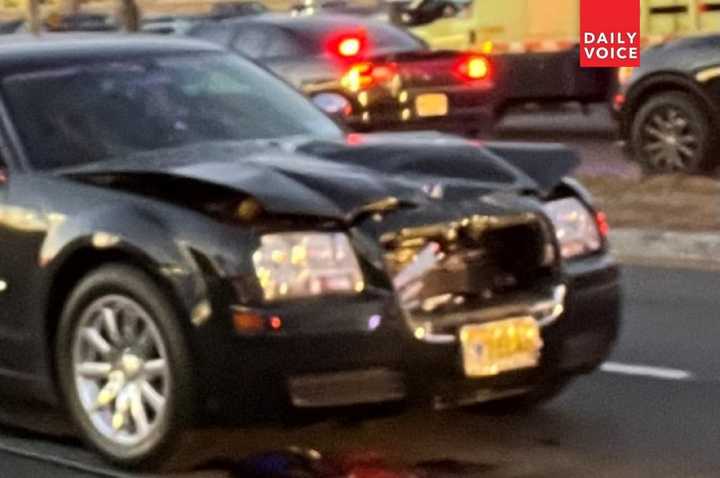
x=497, y=347
x=431, y=104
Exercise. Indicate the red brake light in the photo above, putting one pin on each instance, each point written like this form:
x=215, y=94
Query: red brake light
x=349, y=46
x=474, y=67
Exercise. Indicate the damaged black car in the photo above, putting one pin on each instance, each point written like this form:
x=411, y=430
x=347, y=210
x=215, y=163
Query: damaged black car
x=185, y=237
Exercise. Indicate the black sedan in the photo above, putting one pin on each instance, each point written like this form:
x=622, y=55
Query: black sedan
x=185, y=238
x=370, y=74
x=669, y=108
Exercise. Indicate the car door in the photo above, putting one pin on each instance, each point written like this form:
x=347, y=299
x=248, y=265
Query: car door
x=23, y=229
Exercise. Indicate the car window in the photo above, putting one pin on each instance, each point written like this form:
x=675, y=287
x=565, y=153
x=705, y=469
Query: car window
x=282, y=44
x=266, y=42
x=104, y=110
x=251, y=40
x=214, y=33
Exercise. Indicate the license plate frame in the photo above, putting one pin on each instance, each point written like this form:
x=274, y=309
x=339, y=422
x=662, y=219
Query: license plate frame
x=428, y=105
x=500, y=346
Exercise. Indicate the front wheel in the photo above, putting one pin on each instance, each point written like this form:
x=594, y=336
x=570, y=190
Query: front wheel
x=124, y=367
x=672, y=133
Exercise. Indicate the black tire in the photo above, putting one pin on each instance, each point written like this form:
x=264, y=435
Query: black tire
x=671, y=132
x=163, y=442
x=524, y=403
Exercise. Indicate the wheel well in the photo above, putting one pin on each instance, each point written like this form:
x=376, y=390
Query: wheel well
x=78, y=265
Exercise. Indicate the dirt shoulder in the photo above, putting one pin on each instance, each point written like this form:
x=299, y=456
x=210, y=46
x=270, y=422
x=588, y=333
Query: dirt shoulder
x=670, y=203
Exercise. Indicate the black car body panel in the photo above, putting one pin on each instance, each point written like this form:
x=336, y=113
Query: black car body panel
x=164, y=212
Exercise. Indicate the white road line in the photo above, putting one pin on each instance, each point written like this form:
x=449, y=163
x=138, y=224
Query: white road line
x=646, y=371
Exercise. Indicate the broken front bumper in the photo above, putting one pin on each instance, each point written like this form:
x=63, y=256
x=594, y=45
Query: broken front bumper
x=575, y=342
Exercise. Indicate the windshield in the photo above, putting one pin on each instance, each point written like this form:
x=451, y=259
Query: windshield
x=81, y=114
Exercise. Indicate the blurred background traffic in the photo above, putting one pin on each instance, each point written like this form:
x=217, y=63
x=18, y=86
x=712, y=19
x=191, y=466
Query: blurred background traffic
x=480, y=68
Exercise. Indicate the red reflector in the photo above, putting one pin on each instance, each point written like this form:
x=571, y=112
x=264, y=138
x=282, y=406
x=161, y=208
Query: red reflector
x=354, y=139
x=474, y=68
x=619, y=101
x=602, y=223
x=276, y=322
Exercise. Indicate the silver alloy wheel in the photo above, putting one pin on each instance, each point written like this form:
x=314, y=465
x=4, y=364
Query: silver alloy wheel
x=670, y=141
x=121, y=370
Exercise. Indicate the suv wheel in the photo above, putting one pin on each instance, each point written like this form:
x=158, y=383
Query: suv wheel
x=671, y=133
x=123, y=366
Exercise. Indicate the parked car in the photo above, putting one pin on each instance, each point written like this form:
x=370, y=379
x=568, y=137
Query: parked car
x=8, y=27
x=170, y=25
x=669, y=108
x=370, y=74
x=185, y=237
x=181, y=24
x=57, y=23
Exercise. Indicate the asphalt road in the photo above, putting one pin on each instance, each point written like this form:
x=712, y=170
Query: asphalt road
x=592, y=134
x=651, y=412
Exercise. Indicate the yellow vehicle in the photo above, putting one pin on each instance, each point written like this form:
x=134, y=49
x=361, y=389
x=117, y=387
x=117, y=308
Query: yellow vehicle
x=535, y=42
x=519, y=26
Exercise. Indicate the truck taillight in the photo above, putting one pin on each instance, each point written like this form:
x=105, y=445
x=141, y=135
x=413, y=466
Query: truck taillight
x=474, y=67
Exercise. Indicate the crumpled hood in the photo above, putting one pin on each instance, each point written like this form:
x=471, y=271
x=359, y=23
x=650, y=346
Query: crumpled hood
x=327, y=179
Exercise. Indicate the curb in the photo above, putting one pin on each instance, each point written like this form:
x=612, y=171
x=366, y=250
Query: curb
x=641, y=246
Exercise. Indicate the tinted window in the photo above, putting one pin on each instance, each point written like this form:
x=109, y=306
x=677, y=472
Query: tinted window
x=104, y=110
x=266, y=42
x=214, y=33
x=251, y=40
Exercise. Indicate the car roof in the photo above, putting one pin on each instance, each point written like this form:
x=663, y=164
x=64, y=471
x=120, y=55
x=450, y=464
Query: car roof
x=28, y=51
x=322, y=21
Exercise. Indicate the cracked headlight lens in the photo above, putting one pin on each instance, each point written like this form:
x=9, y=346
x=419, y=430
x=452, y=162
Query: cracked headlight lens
x=306, y=264
x=576, y=228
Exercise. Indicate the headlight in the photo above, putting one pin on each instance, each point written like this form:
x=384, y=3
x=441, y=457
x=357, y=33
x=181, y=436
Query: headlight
x=306, y=264
x=577, y=230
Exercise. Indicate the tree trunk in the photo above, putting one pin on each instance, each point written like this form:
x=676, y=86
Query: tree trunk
x=130, y=15
x=33, y=16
